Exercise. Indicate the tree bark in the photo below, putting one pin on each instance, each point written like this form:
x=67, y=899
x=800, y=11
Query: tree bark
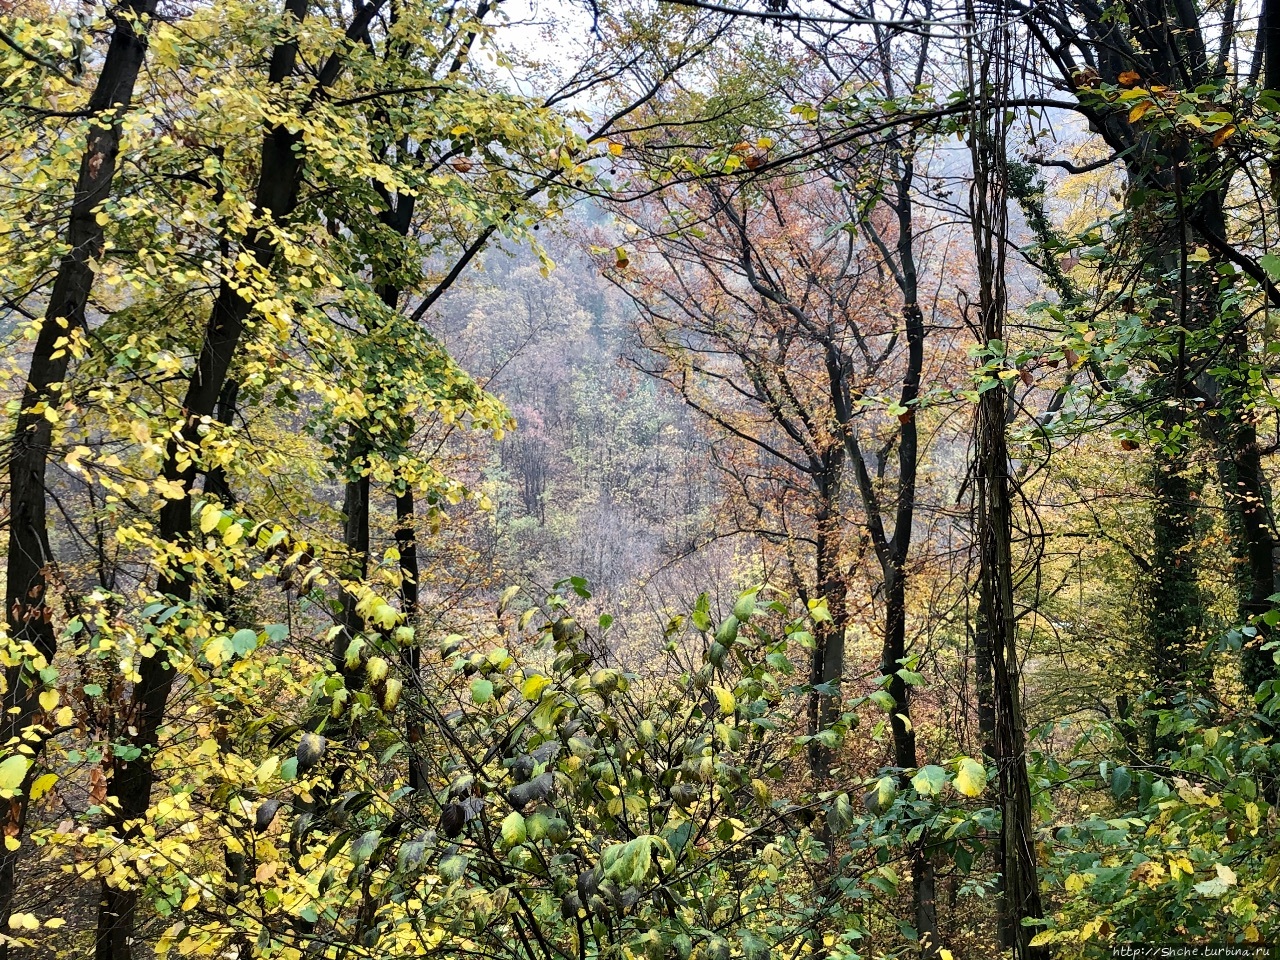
x=1020, y=889
x=827, y=666
x=30, y=560
x=356, y=540
x=1176, y=608
x=989, y=56
x=410, y=657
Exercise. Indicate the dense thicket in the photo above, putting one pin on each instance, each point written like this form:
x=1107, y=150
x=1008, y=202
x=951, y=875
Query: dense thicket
x=638, y=479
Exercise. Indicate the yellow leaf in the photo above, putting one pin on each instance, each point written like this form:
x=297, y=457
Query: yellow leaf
x=533, y=686
x=266, y=770
x=615, y=149
x=233, y=535
x=65, y=717
x=43, y=785
x=48, y=699
x=971, y=778
x=209, y=518
x=54, y=923
x=1224, y=134
x=1139, y=110
x=728, y=702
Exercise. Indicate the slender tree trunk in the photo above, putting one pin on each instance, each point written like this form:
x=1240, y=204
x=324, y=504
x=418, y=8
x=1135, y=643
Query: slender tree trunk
x=923, y=880
x=1257, y=531
x=218, y=486
x=279, y=182
x=30, y=557
x=984, y=686
x=894, y=650
x=1246, y=493
x=1020, y=889
x=216, y=483
x=925, y=896
x=989, y=57
x=356, y=540
x=827, y=666
x=1269, y=50
x=410, y=657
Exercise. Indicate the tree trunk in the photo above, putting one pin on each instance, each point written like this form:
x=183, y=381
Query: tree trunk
x=925, y=896
x=1257, y=524
x=410, y=657
x=1020, y=893
x=990, y=56
x=827, y=666
x=894, y=650
x=923, y=881
x=30, y=557
x=1246, y=494
x=984, y=686
x=356, y=540
x=278, y=185
x=1175, y=604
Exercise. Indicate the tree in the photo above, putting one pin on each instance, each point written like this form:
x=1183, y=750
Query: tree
x=31, y=563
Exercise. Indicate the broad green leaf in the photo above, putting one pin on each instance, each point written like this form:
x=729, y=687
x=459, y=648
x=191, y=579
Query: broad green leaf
x=929, y=780
x=481, y=691
x=13, y=770
x=514, y=831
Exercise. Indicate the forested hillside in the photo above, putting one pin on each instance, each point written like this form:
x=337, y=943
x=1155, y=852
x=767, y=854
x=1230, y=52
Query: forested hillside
x=639, y=479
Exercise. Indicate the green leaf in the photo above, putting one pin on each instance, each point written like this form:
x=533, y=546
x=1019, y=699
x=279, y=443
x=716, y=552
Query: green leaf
x=702, y=613
x=453, y=867
x=1121, y=783
x=883, y=698
x=514, y=831
x=481, y=691
x=244, y=642
x=13, y=770
x=929, y=780
x=886, y=793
